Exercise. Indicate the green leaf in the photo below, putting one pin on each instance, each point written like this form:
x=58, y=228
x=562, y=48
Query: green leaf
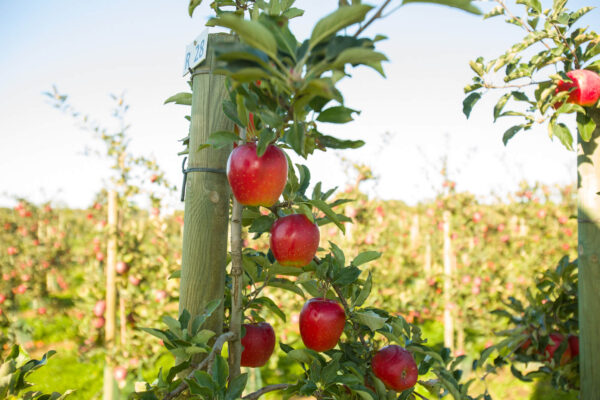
x=335, y=143
x=321, y=205
x=364, y=292
x=295, y=137
x=270, y=304
x=371, y=319
x=193, y=5
x=286, y=285
x=358, y=55
x=183, y=98
x=365, y=257
x=262, y=224
x=251, y=32
x=301, y=355
x=337, y=20
x=222, y=138
x=337, y=115
x=265, y=137
x=500, y=105
x=498, y=10
x=561, y=131
x=220, y=371
x=236, y=387
x=585, y=126
x=510, y=132
x=469, y=102
x=347, y=276
x=464, y=5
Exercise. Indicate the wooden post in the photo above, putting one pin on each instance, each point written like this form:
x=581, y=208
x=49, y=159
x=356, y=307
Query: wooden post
x=588, y=186
x=235, y=346
x=448, y=321
x=414, y=231
x=206, y=197
x=111, y=297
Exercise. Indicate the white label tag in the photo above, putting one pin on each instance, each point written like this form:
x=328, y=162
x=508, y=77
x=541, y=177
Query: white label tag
x=195, y=52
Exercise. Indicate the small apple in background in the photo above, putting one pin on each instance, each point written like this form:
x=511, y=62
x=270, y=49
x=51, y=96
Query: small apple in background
x=541, y=213
x=395, y=367
x=121, y=267
x=120, y=373
x=98, y=322
x=41, y=310
x=294, y=240
x=477, y=216
x=258, y=343
x=555, y=340
x=134, y=280
x=160, y=295
x=11, y=251
x=574, y=345
x=153, y=178
x=99, y=308
x=257, y=181
x=322, y=322
x=586, y=86
x=100, y=256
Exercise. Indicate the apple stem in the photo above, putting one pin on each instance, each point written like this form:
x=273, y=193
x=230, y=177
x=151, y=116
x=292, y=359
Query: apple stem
x=216, y=349
x=266, y=389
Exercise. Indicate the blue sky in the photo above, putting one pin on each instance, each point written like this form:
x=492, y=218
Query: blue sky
x=409, y=120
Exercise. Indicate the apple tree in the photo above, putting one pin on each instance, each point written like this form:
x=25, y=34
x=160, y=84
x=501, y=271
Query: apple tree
x=278, y=91
x=551, y=73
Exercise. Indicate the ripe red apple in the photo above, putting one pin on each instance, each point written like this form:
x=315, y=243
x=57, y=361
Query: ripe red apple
x=41, y=310
x=294, y=240
x=11, y=251
x=98, y=322
x=477, y=216
x=322, y=322
x=2, y=298
x=574, y=345
x=257, y=181
x=134, y=280
x=120, y=373
x=555, y=340
x=160, y=295
x=396, y=368
x=99, y=308
x=586, y=86
x=121, y=267
x=258, y=342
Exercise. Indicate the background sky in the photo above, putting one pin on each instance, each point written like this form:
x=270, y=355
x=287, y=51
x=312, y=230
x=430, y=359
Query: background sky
x=410, y=120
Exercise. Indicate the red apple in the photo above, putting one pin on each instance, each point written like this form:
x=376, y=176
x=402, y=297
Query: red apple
x=257, y=181
x=99, y=308
x=120, y=373
x=258, y=342
x=160, y=295
x=294, y=240
x=134, y=280
x=98, y=322
x=477, y=216
x=121, y=267
x=322, y=322
x=2, y=298
x=574, y=345
x=586, y=86
x=11, y=251
x=41, y=310
x=396, y=368
x=555, y=340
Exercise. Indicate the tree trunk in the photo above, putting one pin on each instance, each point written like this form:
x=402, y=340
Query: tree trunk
x=448, y=321
x=207, y=197
x=111, y=297
x=588, y=167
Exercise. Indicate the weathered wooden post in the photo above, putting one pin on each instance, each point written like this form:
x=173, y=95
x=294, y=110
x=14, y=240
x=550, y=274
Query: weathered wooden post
x=206, y=195
x=588, y=186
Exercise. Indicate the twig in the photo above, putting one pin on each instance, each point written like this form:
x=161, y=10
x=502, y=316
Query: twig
x=235, y=324
x=373, y=18
x=211, y=356
x=266, y=389
x=420, y=395
x=514, y=85
x=564, y=40
x=523, y=24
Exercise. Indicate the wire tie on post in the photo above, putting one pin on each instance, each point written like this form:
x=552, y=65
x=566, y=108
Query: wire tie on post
x=185, y=172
